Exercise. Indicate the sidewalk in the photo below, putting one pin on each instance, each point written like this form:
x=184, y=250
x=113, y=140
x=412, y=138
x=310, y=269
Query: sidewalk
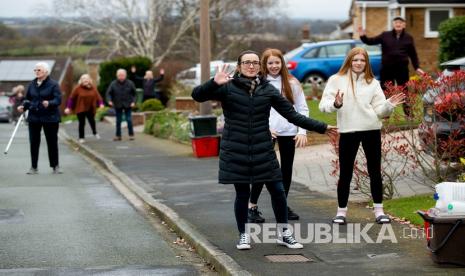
x=173, y=178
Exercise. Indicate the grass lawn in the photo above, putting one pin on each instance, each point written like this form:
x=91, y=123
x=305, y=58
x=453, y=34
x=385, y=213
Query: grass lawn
x=79, y=50
x=396, y=119
x=406, y=207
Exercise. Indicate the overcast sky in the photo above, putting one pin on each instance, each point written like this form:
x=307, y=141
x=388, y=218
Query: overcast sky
x=308, y=9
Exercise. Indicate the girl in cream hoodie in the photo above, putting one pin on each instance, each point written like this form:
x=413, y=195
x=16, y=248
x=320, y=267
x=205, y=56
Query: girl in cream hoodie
x=360, y=104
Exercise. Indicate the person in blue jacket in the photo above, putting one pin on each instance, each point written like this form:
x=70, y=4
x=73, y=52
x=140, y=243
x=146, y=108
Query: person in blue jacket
x=43, y=99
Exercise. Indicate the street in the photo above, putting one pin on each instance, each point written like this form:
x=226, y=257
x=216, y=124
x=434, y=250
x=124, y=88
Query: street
x=76, y=223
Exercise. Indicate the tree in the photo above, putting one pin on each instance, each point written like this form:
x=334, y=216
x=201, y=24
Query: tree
x=452, y=38
x=130, y=26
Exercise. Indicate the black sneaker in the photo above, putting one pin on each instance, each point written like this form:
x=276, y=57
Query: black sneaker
x=291, y=215
x=254, y=216
x=244, y=242
x=286, y=239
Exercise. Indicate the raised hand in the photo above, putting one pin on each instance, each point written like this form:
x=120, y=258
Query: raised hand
x=338, y=99
x=300, y=140
x=331, y=130
x=222, y=76
x=397, y=99
x=361, y=31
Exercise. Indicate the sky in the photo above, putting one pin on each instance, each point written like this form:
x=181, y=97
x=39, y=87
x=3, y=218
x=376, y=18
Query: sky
x=308, y=9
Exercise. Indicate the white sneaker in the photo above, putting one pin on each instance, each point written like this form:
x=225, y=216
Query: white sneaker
x=244, y=242
x=288, y=240
x=97, y=136
x=82, y=141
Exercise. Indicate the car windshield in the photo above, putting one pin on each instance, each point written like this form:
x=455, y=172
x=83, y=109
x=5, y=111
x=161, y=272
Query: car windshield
x=292, y=53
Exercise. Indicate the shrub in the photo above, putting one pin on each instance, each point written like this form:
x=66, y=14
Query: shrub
x=452, y=38
x=152, y=105
x=168, y=125
x=101, y=112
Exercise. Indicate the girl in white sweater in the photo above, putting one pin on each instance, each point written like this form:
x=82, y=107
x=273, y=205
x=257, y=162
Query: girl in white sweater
x=286, y=134
x=360, y=104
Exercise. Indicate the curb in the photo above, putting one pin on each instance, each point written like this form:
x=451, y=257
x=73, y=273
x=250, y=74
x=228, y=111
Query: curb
x=222, y=262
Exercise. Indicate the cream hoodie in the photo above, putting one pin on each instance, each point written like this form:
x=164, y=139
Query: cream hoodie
x=278, y=123
x=362, y=109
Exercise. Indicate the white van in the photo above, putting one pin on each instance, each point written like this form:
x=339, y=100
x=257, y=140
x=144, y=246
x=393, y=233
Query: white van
x=191, y=77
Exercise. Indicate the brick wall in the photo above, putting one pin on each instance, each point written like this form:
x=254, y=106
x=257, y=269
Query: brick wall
x=376, y=21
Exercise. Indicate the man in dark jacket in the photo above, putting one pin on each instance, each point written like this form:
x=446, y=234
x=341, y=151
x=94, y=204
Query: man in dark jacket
x=43, y=99
x=148, y=82
x=121, y=95
x=397, y=47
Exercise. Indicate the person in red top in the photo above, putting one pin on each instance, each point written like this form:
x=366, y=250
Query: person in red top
x=84, y=101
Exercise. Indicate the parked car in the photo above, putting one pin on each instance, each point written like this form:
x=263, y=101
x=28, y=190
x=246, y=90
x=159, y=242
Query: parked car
x=5, y=109
x=439, y=123
x=314, y=63
x=191, y=77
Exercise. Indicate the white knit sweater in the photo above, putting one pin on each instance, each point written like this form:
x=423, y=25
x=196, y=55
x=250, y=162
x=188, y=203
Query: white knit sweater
x=362, y=108
x=278, y=123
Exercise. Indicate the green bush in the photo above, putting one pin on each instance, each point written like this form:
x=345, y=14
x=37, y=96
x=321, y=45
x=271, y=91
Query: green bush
x=168, y=125
x=152, y=105
x=101, y=112
x=108, y=69
x=452, y=38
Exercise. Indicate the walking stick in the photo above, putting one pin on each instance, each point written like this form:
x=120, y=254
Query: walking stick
x=14, y=133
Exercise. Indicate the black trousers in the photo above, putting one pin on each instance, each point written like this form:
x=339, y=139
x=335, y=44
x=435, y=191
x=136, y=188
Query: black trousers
x=278, y=202
x=82, y=122
x=348, y=148
x=397, y=75
x=51, y=136
x=286, y=146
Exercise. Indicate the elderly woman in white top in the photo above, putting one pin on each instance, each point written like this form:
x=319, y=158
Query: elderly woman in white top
x=360, y=104
x=286, y=134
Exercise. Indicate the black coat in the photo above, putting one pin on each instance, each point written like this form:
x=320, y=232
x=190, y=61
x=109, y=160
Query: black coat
x=395, y=51
x=246, y=150
x=49, y=90
x=122, y=94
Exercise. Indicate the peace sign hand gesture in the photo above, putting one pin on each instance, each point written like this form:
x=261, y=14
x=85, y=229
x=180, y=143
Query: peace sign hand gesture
x=222, y=76
x=338, y=99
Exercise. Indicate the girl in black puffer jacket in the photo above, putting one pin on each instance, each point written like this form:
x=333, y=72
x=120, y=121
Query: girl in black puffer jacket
x=246, y=150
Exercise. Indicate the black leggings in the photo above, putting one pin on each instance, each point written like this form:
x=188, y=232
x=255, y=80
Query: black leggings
x=348, y=147
x=278, y=201
x=286, y=146
x=82, y=122
x=51, y=136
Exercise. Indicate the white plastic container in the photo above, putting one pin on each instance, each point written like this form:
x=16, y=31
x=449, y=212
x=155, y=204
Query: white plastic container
x=451, y=193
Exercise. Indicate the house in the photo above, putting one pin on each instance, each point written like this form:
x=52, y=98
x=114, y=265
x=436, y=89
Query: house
x=19, y=70
x=422, y=20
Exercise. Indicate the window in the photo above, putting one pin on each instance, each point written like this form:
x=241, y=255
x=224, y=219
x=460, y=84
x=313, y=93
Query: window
x=340, y=50
x=433, y=18
x=311, y=54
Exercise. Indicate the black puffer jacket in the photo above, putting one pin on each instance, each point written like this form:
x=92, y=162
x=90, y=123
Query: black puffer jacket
x=247, y=154
x=48, y=90
x=122, y=94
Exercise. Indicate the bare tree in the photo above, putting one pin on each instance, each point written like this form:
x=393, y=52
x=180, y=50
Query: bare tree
x=132, y=26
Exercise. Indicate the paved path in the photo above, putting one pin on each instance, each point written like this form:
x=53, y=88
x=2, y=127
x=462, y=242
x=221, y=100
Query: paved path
x=75, y=223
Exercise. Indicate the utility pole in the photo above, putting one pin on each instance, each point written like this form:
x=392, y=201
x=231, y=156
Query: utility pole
x=205, y=107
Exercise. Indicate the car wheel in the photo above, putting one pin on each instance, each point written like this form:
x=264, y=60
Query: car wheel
x=315, y=79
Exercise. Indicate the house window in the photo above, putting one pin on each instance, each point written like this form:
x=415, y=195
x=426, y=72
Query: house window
x=433, y=18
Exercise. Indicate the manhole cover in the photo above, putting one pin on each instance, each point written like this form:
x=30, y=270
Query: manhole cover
x=11, y=215
x=381, y=256
x=288, y=258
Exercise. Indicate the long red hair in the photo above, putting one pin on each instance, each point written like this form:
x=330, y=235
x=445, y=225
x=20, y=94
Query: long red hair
x=286, y=77
x=347, y=65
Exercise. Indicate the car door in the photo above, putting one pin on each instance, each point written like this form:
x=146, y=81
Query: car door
x=332, y=56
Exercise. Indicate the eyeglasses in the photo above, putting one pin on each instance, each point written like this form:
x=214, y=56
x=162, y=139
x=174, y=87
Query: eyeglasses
x=37, y=70
x=250, y=62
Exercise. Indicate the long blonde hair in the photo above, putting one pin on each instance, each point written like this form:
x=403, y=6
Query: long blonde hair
x=347, y=66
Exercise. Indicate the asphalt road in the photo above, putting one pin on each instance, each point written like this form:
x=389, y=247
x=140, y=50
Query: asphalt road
x=75, y=223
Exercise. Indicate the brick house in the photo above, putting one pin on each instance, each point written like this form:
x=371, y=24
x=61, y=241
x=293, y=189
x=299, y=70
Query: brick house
x=19, y=70
x=422, y=20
